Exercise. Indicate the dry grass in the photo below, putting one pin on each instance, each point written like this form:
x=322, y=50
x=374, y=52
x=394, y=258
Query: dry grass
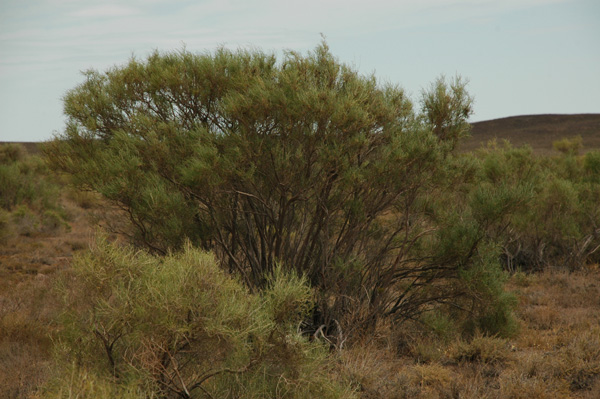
x=555, y=355
x=24, y=340
x=28, y=265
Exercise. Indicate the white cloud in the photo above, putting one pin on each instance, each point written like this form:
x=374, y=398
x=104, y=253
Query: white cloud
x=42, y=40
x=109, y=29
x=108, y=10
x=349, y=18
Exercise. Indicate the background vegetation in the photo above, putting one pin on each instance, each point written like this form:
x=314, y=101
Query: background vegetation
x=28, y=195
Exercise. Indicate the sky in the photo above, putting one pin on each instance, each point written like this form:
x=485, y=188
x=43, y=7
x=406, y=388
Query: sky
x=520, y=57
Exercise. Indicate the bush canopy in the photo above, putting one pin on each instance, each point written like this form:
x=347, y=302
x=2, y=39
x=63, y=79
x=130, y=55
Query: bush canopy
x=301, y=162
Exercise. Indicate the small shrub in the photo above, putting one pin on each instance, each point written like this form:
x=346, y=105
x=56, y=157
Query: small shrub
x=24, y=340
x=11, y=153
x=177, y=326
x=29, y=197
x=481, y=348
x=519, y=386
x=53, y=221
x=433, y=375
x=441, y=325
x=85, y=199
x=591, y=164
x=26, y=222
x=426, y=351
x=12, y=190
x=522, y=279
x=569, y=146
x=77, y=245
x=493, y=311
x=579, y=361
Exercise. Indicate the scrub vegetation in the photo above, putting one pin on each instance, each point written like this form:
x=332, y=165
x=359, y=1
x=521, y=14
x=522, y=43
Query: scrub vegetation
x=292, y=229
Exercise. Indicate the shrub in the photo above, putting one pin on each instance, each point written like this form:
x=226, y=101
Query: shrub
x=568, y=146
x=540, y=211
x=301, y=163
x=592, y=166
x=11, y=153
x=29, y=196
x=178, y=326
x=480, y=348
x=25, y=180
x=25, y=221
x=53, y=221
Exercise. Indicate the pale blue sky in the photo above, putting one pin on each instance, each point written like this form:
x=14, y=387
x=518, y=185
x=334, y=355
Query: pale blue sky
x=520, y=56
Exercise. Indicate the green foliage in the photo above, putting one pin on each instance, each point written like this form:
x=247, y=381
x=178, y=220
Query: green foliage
x=567, y=215
x=11, y=153
x=54, y=221
x=569, y=146
x=591, y=165
x=300, y=162
x=440, y=324
x=179, y=326
x=28, y=195
x=81, y=383
x=24, y=180
x=493, y=309
x=540, y=211
x=446, y=107
x=25, y=221
x=478, y=287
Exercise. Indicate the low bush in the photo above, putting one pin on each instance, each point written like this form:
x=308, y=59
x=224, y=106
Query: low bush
x=24, y=179
x=29, y=195
x=137, y=325
x=11, y=153
x=480, y=348
x=570, y=146
x=554, y=217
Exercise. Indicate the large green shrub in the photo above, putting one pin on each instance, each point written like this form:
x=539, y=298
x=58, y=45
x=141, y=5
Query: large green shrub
x=138, y=325
x=300, y=162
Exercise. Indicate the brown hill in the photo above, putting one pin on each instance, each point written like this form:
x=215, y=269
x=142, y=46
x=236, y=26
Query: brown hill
x=538, y=131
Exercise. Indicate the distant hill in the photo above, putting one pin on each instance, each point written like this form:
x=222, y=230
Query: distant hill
x=539, y=131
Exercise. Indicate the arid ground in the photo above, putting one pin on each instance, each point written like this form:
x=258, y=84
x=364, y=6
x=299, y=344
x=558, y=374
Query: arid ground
x=556, y=353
